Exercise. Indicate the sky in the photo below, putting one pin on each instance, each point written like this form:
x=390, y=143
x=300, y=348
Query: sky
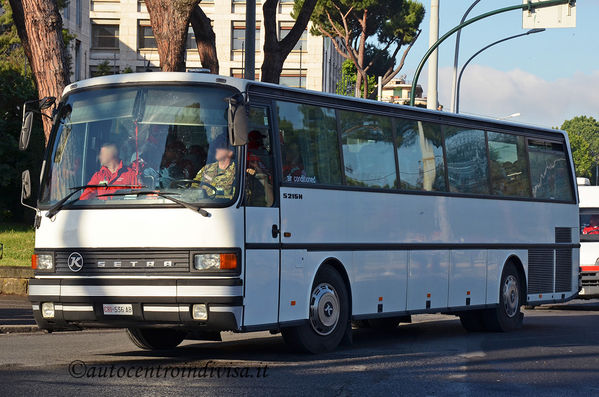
x=547, y=77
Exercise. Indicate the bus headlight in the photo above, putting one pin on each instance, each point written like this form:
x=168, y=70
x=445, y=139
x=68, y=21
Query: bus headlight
x=42, y=262
x=214, y=262
x=199, y=311
x=48, y=310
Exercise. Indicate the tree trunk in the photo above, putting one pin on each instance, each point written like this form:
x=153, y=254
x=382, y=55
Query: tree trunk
x=169, y=20
x=39, y=26
x=358, y=87
x=271, y=70
x=205, y=39
x=359, y=62
x=275, y=51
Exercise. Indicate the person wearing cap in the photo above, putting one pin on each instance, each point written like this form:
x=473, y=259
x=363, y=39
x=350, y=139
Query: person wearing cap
x=221, y=173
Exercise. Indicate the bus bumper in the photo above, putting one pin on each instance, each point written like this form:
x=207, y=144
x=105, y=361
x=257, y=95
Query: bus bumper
x=79, y=303
x=590, y=284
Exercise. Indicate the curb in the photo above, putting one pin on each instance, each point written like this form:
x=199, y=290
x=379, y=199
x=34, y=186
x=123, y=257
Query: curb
x=16, y=272
x=13, y=286
x=18, y=329
x=14, y=280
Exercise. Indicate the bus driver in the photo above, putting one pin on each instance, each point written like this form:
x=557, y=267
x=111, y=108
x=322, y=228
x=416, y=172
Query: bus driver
x=112, y=173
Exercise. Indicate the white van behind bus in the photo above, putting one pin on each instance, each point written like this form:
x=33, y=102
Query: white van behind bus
x=589, y=238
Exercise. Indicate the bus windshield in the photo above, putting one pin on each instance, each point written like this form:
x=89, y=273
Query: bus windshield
x=142, y=145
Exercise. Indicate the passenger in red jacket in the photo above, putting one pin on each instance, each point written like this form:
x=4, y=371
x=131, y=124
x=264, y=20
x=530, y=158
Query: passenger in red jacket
x=112, y=173
x=593, y=227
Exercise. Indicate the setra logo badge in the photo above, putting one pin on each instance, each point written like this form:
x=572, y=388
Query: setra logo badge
x=75, y=261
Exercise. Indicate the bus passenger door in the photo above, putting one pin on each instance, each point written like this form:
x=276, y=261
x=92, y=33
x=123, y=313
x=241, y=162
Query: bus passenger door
x=262, y=223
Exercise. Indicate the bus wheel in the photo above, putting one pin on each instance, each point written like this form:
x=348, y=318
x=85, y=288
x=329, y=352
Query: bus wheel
x=472, y=320
x=328, y=315
x=156, y=338
x=507, y=316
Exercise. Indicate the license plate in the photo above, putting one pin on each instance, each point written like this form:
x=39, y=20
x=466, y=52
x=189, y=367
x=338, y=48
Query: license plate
x=118, y=309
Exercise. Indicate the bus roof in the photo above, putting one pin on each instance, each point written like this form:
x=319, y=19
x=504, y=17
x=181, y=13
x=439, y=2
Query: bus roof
x=243, y=85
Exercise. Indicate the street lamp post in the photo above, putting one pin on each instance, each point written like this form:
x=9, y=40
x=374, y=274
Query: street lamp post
x=433, y=63
x=457, y=102
x=529, y=5
x=250, y=40
x=456, y=56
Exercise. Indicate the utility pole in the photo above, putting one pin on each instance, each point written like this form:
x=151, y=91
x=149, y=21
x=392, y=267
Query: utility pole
x=300, y=68
x=250, y=40
x=433, y=48
x=433, y=62
x=456, y=56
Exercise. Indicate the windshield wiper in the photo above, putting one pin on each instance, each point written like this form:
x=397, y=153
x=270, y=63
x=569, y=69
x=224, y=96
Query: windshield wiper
x=193, y=207
x=63, y=202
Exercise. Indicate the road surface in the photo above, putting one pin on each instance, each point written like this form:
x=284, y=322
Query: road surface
x=556, y=353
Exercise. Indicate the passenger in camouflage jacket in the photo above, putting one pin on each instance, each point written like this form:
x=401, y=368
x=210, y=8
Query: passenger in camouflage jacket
x=220, y=174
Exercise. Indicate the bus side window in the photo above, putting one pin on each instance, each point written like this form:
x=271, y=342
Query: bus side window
x=549, y=171
x=420, y=154
x=259, y=166
x=466, y=160
x=309, y=144
x=367, y=143
x=509, y=166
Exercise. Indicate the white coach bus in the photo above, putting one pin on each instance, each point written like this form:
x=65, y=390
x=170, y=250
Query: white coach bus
x=589, y=238
x=178, y=205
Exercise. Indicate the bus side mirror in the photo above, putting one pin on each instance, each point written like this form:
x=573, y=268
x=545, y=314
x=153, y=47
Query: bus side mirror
x=25, y=130
x=46, y=102
x=238, y=121
x=25, y=185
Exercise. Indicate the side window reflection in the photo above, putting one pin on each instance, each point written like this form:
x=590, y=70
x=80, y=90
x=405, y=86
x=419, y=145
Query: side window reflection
x=259, y=164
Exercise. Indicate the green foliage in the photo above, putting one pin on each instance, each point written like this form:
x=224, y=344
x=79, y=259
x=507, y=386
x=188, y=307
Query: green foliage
x=583, y=160
x=68, y=37
x=347, y=82
x=12, y=55
x=18, y=243
x=583, y=132
x=389, y=25
x=127, y=70
x=104, y=69
x=16, y=87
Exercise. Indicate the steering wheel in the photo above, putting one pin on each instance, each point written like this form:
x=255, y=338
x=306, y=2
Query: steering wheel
x=189, y=182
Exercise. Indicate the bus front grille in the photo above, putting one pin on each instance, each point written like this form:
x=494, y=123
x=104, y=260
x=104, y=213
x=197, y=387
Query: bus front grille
x=129, y=261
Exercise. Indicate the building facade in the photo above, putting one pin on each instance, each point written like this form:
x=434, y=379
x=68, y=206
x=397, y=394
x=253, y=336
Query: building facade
x=398, y=91
x=75, y=18
x=118, y=38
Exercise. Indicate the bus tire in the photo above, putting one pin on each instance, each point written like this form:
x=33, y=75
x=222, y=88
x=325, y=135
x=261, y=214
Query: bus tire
x=507, y=315
x=156, y=338
x=472, y=320
x=328, y=315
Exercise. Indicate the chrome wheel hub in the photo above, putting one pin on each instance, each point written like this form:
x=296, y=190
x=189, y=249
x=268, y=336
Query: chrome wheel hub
x=511, y=296
x=324, y=309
